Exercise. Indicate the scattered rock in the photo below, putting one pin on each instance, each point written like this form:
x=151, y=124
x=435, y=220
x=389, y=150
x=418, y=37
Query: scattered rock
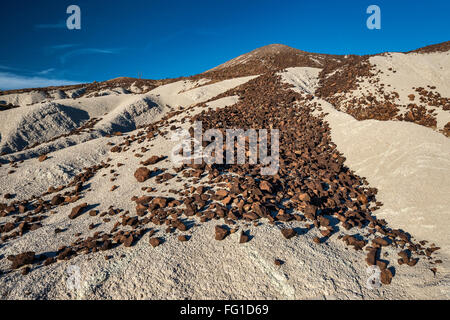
x=279, y=262
x=386, y=276
x=288, y=233
x=155, y=242
x=221, y=233
x=142, y=174
x=57, y=200
x=244, y=237
x=152, y=160
x=77, y=211
x=22, y=259
x=129, y=241
x=372, y=257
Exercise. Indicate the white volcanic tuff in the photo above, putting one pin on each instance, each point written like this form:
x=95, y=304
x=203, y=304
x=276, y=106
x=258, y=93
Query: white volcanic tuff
x=37, y=124
x=184, y=93
x=303, y=79
x=410, y=166
x=25, y=126
x=75, y=93
x=130, y=114
x=58, y=94
x=414, y=70
x=107, y=92
x=24, y=99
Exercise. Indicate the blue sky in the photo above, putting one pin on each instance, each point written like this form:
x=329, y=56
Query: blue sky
x=165, y=39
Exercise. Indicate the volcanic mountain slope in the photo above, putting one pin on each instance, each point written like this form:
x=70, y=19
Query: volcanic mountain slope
x=122, y=85
x=411, y=86
x=273, y=57
x=49, y=125
x=88, y=184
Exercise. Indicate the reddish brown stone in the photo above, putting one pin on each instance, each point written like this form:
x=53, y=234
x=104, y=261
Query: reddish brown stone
x=155, y=242
x=386, y=276
x=160, y=202
x=22, y=259
x=222, y=193
x=152, y=160
x=381, y=242
x=77, y=211
x=265, y=186
x=221, y=233
x=278, y=262
x=129, y=241
x=288, y=233
x=57, y=200
x=142, y=174
x=372, y=257
x=243, y=238
x=304, y=197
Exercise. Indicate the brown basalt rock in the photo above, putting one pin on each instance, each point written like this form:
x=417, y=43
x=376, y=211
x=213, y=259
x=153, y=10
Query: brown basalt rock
x=152, y=160
x=221, y=233
x=288, y=233
x=381, y=242
x=386, y=276
x=155, y=242
x=372, y=257
x=352, y=241
x=142, y=174
x=129, y=241
x=278, y=262
x=22, y=259
x=77, y=211
x=265, y=186
x=244, y=237
x=412, y=262
x=250, y=216
x=222, y=193
x=317, y=240
x=180, y=226
x=160, y=202
x=304, y=197
x=57, y=200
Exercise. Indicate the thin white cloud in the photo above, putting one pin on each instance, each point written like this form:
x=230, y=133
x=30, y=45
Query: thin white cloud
x=47, y=71
x=9, y=81
x=63, y=46
x=3, y=67
x=63, y=58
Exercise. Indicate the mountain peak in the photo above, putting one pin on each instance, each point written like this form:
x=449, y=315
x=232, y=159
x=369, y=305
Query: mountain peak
x=268, y=58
